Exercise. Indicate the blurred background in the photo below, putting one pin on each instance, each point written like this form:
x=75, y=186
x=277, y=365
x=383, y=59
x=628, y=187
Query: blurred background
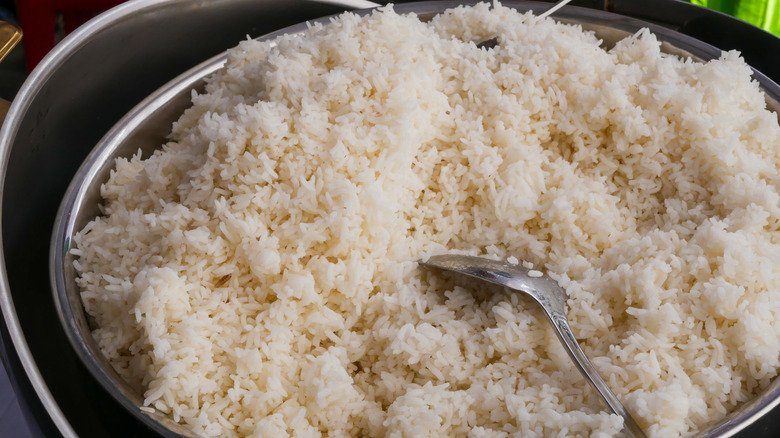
x=762, y=13
x=46, y=22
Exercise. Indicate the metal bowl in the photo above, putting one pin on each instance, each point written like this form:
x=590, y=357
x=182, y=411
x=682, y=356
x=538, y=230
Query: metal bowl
x=149, y=123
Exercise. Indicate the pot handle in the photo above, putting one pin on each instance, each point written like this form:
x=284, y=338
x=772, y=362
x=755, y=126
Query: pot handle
x=10, y=35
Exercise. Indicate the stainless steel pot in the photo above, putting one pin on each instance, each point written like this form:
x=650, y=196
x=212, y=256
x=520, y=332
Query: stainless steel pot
x=73, y=99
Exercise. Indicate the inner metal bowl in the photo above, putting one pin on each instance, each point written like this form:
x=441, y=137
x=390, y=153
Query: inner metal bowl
x=147, y=125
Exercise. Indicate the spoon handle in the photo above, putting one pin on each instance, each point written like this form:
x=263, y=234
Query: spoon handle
x=563, y=330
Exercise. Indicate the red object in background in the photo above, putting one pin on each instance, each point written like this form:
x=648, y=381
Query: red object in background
x=38, y=19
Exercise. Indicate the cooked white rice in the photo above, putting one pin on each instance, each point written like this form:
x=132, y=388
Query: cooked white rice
x=257, y=276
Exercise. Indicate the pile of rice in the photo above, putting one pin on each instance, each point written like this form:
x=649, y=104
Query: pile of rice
x=257, y=275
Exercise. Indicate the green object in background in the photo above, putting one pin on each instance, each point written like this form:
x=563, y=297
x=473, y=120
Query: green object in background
x=762, y=13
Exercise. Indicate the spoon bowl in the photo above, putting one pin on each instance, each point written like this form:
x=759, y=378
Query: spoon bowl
x=552, y=298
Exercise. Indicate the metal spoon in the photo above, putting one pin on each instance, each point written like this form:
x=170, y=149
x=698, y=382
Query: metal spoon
x=552, y=298
x=554, y=8
x=492, y=42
